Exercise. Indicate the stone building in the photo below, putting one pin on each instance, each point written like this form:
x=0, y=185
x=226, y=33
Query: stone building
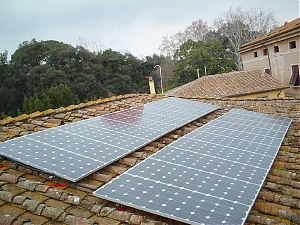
x=277, y=53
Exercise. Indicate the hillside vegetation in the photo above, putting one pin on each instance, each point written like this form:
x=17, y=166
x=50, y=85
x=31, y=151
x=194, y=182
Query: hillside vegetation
x=50, y=74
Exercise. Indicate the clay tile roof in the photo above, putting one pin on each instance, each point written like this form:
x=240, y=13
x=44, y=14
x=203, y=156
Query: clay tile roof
x=229, y=85
x=286, y=28
x=30, y=197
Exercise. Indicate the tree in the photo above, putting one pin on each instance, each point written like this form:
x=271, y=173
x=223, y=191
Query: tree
x=167, y=68
x=57, y=96
x=32, y=79
x=194, y=32
x=199, y=55
x=240, y=26
x=94, y=46
x=40, y=78
x=54, y=97
x=3, y=65
x=3, y=58
x=87, y=87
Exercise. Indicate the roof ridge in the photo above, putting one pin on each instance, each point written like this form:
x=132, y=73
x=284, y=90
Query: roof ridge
x=288, y=26
x=235, y=83
x=69, y=108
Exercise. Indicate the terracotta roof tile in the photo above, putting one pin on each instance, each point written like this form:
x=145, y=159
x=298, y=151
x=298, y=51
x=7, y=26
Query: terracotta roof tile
x=102, y=177
x=228, y=85
x=8, y=210
x=10, y=176
x=122, y=216
x=27, y=198
x=33, y=219
x=30, y=204
x=104, y=220
x=6, y=196
x=78, y=211
x=56, y=203
x=70, y=219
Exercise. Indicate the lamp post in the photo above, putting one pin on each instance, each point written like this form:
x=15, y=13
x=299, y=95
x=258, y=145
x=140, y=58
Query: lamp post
x=161, y=84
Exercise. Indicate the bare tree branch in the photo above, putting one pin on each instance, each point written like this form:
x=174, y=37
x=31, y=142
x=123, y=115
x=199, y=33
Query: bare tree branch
x=241, y=26
x=195, y=32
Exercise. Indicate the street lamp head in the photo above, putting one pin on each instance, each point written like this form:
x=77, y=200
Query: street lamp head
x=161, y=84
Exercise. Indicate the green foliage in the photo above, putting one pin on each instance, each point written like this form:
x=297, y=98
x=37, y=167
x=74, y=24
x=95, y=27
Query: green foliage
x=33, y=78
x=43, y=77
x=198, y=55
x=3, y=58
x=32, y=104
x=52, y=98
x=57, y=96
x=2, y=115
x=167, y=68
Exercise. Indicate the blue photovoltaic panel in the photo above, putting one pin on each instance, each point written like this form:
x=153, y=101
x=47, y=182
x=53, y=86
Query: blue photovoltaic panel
x=210, y=176
x=75, y=150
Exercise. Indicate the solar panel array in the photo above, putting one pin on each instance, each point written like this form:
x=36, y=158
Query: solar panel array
x=210, y=176
x=75, y=150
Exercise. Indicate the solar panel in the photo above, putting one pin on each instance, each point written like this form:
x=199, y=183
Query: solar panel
x=75, y=150
x=210, y=176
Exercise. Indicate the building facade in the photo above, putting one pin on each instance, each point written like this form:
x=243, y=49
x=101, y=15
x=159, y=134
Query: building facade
x=277, y=53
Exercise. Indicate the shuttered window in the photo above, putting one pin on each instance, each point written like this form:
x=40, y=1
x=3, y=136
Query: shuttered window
x=295, y=76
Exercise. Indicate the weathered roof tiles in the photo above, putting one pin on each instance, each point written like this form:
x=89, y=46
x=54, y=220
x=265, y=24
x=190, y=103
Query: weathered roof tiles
x=231, y=84
x=27, y=196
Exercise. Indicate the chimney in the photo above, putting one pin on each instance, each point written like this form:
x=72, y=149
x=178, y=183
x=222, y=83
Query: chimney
x=151, y=86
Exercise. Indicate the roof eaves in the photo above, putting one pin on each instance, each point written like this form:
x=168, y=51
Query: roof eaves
x=257, y=92
x=283, y=31
x=47, y=112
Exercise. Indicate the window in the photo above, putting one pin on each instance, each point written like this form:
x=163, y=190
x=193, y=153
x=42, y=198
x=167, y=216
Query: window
x=267, y=70
x=255, y=54
x=292, y=44
x=265, y=51
x=295, y=76
x=276, y=48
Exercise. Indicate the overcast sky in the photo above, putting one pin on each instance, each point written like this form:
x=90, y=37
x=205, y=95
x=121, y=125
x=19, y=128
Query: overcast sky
x=134, y=25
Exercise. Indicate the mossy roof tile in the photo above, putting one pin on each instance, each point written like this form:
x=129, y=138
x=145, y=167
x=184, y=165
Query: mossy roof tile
x=280, y=191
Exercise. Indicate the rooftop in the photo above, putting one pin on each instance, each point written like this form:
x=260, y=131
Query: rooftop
x=288, y=27
x=231, y=84
x=29, y=197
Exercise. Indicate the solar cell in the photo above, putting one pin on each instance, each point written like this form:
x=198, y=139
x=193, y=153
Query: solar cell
x=210, y=176
x=73, y=151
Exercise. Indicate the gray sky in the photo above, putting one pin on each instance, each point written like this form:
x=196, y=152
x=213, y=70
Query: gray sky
x=134, y=25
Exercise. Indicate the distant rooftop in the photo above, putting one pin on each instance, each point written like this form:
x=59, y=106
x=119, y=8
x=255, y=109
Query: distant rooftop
x=286, y=28
x=229, y=85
